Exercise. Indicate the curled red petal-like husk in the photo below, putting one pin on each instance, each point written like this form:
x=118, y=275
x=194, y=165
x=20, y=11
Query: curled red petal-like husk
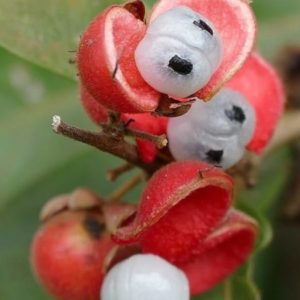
x=259, y=83
x=221, y=253
x=106, y=62
x=181, y=204
x=235, y=23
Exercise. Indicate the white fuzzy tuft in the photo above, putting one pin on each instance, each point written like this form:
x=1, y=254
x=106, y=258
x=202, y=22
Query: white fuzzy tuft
x=56, y=121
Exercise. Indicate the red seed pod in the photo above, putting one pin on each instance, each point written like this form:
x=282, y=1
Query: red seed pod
x=72, y=251
x=221, y=253
x=181, y=204
x=259, y=83
x=184, y=217
x=106, y=60
x=235, y=23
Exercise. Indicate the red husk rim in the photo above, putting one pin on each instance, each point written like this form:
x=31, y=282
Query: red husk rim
x=106, y=61
x=235, y=23
x=222, y=252
x=259, y=83
x=168, y=186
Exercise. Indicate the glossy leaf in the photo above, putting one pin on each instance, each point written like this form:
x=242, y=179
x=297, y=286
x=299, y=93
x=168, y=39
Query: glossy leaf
x=46, y=33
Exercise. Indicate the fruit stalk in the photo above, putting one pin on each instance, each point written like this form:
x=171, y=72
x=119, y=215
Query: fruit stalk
x=105, y=141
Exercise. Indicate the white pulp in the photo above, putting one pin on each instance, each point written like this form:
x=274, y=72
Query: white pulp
x=185, y=34
x=145, y=277
x=216, y=131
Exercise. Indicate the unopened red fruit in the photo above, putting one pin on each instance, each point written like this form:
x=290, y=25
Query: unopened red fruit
x=68, y=255
x=73, y=249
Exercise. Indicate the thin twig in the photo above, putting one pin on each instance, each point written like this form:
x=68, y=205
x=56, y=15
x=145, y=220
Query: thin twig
x=160, y=141
x=126, y=187
x=106, y=142
x=113, y=174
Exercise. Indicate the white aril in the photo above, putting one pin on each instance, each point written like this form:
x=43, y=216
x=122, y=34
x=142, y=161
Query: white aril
x=179, y=52
x=145, y=277
x=216, y=131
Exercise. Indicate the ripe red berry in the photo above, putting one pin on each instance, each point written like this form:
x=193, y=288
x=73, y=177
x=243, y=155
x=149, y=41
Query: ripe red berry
x=72, y=251
x=68, y=255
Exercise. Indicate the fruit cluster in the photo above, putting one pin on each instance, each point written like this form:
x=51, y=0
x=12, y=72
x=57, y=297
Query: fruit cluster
x=189, y=75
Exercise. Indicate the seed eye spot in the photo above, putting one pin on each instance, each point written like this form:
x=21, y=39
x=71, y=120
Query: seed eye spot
x=180, y=65
x=235, y=114
x=214, y=156
x=202, y=25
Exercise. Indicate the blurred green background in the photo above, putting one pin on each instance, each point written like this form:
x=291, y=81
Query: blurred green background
x=36, y=41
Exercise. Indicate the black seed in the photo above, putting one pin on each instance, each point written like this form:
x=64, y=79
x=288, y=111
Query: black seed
x=201, y=24
x=235, y=114
x=180, y=65
x=214, y=156
x=93, y=226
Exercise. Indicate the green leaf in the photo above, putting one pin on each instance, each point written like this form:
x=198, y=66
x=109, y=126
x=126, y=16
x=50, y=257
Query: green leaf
x=45, y=32
x=30, y=149
x=23, y=85
x=272, y=178
x=274, y=9
x=277, y=34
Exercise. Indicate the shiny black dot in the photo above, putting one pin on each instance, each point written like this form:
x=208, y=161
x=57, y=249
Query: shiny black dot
x=235, y=114
x=180, y=65
x=202, y=25
x=214, y=156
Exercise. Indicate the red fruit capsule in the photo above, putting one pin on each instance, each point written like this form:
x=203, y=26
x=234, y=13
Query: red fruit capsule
x=106, y=62
x=181, y=204
x=235, y=23
x=221, y=253
x=259, y=83
x=184, y=217
x=72, y=251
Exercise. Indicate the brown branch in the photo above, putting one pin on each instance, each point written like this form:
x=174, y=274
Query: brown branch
x=106, y=142
x=160, y=141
